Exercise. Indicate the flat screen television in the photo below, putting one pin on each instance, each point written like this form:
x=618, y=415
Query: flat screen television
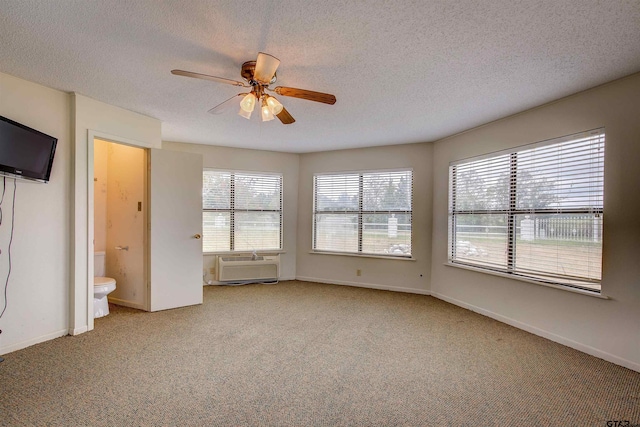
x=25, y=152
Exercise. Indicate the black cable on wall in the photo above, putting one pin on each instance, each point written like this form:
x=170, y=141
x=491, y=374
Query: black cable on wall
x=13, y=214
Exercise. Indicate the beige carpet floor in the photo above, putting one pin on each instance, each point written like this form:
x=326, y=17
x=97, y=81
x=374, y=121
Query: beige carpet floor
x=306, y=354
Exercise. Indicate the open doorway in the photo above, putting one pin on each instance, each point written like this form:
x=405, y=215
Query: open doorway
x=172, y=209
x=120, y=220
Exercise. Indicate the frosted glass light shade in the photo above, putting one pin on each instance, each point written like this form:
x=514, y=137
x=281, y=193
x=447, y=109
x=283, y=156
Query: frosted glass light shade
x=248, y=103
x=274, y=105
x=266, y=113
x=266, y=66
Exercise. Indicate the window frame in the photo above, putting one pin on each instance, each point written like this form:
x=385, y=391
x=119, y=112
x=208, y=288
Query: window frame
x=512, y=211
x=360, y=212
x=232, y=210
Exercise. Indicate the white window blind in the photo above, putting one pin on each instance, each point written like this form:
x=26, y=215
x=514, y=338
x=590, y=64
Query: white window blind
x=363, y=212
x=241, y=211
x=535, y=212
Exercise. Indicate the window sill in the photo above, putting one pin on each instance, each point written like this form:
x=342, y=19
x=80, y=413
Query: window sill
x=259, y=252
x=524, y=279
x=396, y=258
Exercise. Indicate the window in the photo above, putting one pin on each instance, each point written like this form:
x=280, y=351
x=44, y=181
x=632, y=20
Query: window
x=535, y=212
x=241, y=211
x=363, y=212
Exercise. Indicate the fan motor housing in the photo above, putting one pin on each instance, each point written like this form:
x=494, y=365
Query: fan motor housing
x=248, y=68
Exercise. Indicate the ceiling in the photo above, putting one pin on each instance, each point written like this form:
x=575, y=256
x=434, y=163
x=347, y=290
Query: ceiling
x=403, y=71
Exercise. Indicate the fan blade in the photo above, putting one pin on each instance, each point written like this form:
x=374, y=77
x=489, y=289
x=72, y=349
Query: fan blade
x=285, y=117
x=207, y=77
x=218, y=109
x=266, y=66
x=306, y=94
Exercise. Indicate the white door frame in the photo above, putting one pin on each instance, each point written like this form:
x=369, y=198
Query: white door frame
x=92, y=135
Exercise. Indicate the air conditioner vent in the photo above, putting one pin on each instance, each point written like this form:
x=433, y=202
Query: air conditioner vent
x=241, y=258
x=242, y=268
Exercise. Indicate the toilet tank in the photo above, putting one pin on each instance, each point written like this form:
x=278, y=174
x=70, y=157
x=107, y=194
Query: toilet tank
x=98, y=264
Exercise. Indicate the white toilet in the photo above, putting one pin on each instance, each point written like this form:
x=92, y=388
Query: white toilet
x=102, y=286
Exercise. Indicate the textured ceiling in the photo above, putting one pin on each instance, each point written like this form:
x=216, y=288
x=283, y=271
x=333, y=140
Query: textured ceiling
x=403, y=71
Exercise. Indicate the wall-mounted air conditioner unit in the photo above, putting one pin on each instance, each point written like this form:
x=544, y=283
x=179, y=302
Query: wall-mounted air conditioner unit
x=235, y=268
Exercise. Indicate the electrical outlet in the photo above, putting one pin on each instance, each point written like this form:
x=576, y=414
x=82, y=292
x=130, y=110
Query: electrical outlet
x=358, y=272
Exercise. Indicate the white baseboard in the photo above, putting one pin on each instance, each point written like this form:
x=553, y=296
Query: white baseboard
x=125, y=303
x=542, y=333
x=37, y=340
x=365, y=285
x=78, y=331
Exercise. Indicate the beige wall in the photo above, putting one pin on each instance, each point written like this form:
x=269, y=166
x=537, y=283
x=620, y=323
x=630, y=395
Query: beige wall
x=605, y=328
x=38, y=289
x=125, y=224
x=259, y=161
x=100, y=174
x=119, y=184
x=401, y=275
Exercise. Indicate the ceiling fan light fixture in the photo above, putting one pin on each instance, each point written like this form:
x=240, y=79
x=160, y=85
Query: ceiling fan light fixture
x=248, y=103
x=266, y=66
x=245, y=114
x=258, y=76
x=274, y=105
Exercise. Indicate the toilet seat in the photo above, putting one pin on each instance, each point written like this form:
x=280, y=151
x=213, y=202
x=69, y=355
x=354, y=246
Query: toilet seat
x=102, y=286
x=100, y=281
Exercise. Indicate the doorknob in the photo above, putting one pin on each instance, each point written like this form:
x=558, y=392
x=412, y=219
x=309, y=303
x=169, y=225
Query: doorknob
x=197, y=236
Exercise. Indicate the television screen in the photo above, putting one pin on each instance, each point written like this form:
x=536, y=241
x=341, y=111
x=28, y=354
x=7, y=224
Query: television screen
x=25, y=152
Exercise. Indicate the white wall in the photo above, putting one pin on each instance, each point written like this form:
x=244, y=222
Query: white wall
x=38, y=289
x=605, y=328
x=401, y=275
x=259, y=161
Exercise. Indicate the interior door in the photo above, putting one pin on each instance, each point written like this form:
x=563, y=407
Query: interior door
x=176, y=227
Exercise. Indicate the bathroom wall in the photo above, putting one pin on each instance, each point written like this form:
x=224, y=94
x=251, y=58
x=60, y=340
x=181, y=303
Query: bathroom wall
x=100, y=172
x=126, y=210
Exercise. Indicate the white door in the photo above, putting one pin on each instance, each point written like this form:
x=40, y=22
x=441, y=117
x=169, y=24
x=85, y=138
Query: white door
x=176, y=227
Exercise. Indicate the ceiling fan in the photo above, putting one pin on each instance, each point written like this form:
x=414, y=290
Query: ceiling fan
x=259, y=75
